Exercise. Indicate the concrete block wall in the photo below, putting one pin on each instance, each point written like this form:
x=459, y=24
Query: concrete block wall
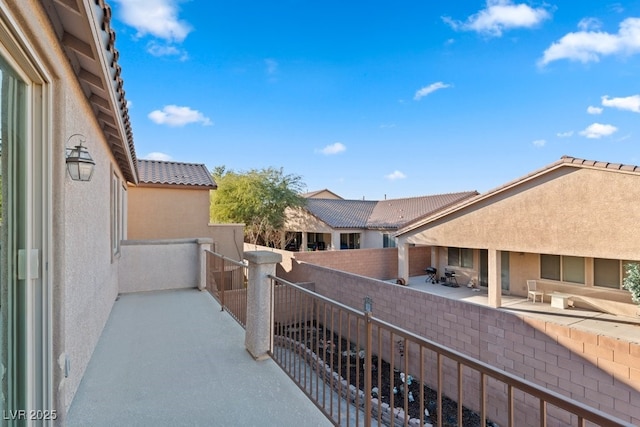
x=595, y=369
x=378, y=263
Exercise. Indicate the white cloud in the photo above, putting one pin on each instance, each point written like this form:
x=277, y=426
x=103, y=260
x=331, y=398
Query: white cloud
x=158, y=156
x=590, y=46
x=498, y=16
x=430, y=89
x=175, y=116
x=539, y=142
x=335, y=148
x=395, y=175
x=159, y=49
x=587, y=24
x=631, y=103
x=598, y=130
x=158, y=18
x=565, y=134
x=594, y=110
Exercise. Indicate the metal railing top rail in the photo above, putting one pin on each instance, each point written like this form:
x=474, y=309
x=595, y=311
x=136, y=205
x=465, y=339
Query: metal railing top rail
x=227, y=259
x=545, y=395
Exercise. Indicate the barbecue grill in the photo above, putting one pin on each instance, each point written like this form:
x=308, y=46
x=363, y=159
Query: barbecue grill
x=431, y=274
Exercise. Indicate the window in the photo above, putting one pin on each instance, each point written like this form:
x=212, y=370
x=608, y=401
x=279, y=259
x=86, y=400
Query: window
x=606, y=273
x=388, y=241
x=565, y=268
x=350, y=241
x=118, y=203
x=460, y=257
x=550, y=267
x=573, y=269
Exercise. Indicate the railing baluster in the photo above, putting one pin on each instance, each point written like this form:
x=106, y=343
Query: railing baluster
x=460, y=394
x=483, y=399
x=422, y=392
x=440, y=415
x=510, y=414
x=367, y=369
x=543, y=413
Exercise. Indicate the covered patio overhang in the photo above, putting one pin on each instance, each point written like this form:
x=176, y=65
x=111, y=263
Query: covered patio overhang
x=547, y=226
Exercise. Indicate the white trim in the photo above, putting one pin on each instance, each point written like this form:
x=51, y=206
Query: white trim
x=17, y=52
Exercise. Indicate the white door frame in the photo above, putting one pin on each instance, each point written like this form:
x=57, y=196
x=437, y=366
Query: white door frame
x=28, y=332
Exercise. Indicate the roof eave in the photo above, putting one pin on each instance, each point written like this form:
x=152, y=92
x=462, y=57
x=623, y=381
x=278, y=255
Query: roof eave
x=83, y=28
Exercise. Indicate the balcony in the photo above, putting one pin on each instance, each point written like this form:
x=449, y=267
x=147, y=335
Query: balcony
x=172, y=358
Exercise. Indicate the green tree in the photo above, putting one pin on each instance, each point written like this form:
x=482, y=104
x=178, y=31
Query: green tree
x=631, y=280
x=258, y=199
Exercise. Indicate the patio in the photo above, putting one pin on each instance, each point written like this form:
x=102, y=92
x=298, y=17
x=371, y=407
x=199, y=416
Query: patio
x=173, y=358
x=627, y=328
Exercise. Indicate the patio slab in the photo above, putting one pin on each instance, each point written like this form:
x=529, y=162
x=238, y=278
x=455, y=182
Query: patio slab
x=172, y=358
x=627, y=328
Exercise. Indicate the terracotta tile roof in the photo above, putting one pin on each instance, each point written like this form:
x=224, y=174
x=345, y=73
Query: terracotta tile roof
x=597, y=164
x=385, y=214
x=396, y=212
x=342, y=213
x=157, y=172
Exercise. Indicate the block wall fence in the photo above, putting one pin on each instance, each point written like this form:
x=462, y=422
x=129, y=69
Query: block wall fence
x=598, y=370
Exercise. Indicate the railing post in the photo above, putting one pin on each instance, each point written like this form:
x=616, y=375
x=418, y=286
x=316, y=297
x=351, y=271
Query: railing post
x=203, y=246
x=258, y=329
x=367, y=366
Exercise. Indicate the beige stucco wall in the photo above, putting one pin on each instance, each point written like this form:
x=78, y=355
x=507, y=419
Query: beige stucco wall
x=568, y=211
x=179, y=213
x=139, y=272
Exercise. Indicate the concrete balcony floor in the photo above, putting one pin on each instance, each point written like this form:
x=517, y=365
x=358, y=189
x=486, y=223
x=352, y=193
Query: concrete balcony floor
x=173, y=358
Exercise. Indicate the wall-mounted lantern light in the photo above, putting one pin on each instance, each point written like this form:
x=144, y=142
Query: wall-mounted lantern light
x=79, y=163
x=368, y=304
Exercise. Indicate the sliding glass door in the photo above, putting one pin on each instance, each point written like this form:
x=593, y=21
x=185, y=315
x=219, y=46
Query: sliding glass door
x=25, y=297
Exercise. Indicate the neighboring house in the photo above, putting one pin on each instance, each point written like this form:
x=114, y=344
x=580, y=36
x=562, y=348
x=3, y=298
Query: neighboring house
x=172, y=200
x=334, y=224
x=572, y=226
x=60, y=85
x=321, y=194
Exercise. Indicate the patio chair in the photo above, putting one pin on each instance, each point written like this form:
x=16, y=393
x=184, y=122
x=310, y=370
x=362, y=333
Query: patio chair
x=533, y=291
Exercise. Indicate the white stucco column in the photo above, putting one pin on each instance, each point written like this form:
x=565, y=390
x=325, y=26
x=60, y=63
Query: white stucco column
x=258, y=329
x=495, y=278
x=203, y=245
x=403, y=261
x=335, y=240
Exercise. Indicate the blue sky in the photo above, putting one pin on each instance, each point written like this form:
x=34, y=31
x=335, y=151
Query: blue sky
x=375, y=99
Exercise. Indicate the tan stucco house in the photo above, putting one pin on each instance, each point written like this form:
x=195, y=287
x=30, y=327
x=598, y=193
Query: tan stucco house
x=571, y=226
x=172, y=200
x=330, y=223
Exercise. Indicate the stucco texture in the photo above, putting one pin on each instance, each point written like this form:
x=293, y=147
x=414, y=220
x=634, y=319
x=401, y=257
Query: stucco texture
x=179, y=213
x=568, y=211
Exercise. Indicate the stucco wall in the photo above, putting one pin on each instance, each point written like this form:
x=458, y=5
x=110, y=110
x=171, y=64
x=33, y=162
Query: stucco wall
x=153, y=265
x=84, y=279
x=179, y=213
x=90, y=273
x=595, y=369
x=568, y=211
